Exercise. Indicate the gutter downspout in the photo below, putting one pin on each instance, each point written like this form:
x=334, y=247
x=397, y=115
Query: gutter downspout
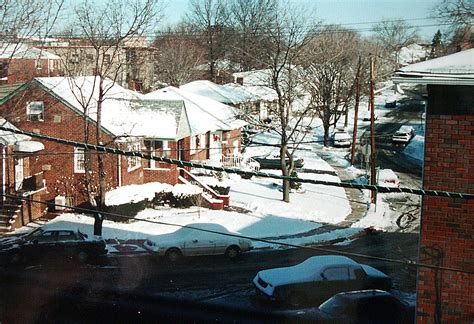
x=119, y=170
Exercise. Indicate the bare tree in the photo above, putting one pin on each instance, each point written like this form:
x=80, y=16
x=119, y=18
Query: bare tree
x=106, y=28
x=249, y=19
x=460, y=14
x=211, y=19
x=178, y=56
x=330, y=63
x=281, y=49
x=392, y=35
x=21, y=20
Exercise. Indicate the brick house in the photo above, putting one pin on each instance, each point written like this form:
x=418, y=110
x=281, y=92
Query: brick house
x=134, y=59
x=447, y=224
x=51, y=106
x=20, y=62
x=214, y=127
x=17, y=179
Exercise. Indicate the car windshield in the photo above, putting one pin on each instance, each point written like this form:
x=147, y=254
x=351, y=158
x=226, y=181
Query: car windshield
x=145, y=149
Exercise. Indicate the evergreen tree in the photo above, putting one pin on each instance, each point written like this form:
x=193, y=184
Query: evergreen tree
x=436, y=45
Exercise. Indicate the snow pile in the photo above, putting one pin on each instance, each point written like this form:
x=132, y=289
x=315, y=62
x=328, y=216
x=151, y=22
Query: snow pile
x=182, y=191
x=379, y=216
x=135, y=193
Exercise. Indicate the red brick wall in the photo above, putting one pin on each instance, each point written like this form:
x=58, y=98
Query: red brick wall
x=25, y=69
x=447, y=226
x=230, y=137
x=57, y=160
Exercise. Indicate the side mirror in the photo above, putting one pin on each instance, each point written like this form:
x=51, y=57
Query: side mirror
x=324, y=276
x=195, y=241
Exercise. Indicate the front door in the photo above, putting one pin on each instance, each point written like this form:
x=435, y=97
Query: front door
x=18, y=173
x=215, y=146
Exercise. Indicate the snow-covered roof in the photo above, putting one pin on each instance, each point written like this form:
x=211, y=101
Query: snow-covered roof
x=254, y=78
x=454, y=69
x=238, y=93
x=19, y=51
x=9, y=138
x=124, y=112
x=208, y=89
x=29, y=146
x=263, y=92
x=204, y=114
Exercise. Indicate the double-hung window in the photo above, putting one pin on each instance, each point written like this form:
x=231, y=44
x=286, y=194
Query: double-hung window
x=134, y=162
x=35, y=111
x=81, y=160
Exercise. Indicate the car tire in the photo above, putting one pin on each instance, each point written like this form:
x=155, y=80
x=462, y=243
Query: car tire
x=232, y=252
x=82, y=256
x=173, y=255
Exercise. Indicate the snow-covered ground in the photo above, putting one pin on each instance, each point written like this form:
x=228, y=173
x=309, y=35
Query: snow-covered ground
x=262, y=213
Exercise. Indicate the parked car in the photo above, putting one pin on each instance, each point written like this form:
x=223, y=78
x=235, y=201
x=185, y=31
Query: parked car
x=388, y=178
x=367, y=118
x=46, y=244
x=391, y=104
x=368, y=306
x=198, y=239
x=403, y=135
x=341, y=138
x=274, y=163
x=317, y=279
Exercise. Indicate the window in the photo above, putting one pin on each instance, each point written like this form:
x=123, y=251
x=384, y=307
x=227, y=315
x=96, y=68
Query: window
x=80, y=160
x=39, y=64
x=46, y=237
x=157, y=148
x=74, y=58
x=66, y=236
x=134, y=162
x=89, y=57
x=192, y=148
x=336, y=274
x=106, y=58
x=202, y=141
x=35, y=111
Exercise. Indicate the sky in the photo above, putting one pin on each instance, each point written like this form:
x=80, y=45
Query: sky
x=348, y=12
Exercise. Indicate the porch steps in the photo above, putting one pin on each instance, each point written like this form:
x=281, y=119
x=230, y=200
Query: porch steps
x=212, y=199
x=9, y=212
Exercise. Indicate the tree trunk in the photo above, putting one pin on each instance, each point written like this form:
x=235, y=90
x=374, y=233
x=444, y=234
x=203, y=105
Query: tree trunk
x=100, y=164
x=284, y=171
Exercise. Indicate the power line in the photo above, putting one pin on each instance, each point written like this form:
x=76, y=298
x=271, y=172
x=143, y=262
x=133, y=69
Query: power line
x=182, y=163
x=289, y=245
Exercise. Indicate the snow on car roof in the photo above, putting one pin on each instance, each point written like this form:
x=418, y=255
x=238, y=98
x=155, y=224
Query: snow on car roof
x=405, y=129
x=308, y=270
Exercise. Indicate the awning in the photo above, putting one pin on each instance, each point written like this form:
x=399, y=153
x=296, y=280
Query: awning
x=28, y=146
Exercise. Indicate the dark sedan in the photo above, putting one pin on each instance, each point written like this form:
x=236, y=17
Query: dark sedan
x=318, y=278
x=368, y=306
x=45, y=244
x=274, y=163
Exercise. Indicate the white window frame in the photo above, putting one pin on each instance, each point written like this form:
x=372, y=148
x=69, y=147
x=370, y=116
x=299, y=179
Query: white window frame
x=192, y=145
x=134, y=162
x=79, y=164
x=202, y=141
x=29, y=114
x=164, y=148
x=39, y=64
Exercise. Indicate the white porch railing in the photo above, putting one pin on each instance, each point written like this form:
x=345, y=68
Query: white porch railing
x=233, y=162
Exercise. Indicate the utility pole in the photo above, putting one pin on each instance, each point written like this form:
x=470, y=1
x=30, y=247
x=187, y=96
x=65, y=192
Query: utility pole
x=373, y=174
x=356, y=112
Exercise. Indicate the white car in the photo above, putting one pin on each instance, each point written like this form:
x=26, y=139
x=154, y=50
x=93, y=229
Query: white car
x=198, y=239
x=403, y=135
x=388, y=178
x=341, y=138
